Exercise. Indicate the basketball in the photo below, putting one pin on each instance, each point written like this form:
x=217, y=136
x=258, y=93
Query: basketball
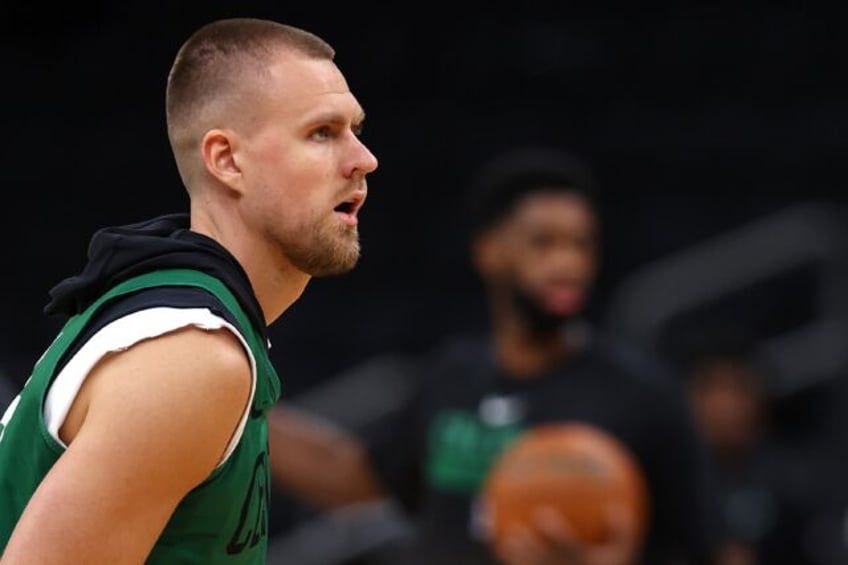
x=574, y=468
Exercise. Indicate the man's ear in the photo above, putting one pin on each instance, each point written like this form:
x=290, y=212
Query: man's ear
x=487, y=254
x=219, y=148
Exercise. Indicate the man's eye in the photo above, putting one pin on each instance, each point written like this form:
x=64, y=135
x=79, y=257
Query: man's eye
x=541, y=240
x=323, y=132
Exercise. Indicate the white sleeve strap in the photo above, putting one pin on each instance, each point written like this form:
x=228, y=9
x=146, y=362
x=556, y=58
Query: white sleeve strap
x=122, y=334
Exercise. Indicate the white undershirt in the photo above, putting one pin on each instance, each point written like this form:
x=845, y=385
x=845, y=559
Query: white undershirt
x=122, y=334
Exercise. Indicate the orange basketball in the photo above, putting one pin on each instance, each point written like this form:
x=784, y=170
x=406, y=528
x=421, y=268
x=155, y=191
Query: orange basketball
x=576, y=468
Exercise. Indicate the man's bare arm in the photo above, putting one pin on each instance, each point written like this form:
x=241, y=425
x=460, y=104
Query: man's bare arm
x=150, y=424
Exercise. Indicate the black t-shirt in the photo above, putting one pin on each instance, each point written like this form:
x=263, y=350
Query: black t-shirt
x=434, y=452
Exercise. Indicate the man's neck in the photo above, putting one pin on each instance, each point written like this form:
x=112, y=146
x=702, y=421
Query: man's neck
x=276, y=282
x=524, y=354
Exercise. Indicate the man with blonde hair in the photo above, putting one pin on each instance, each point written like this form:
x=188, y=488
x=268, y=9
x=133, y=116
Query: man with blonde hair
x=141, y=434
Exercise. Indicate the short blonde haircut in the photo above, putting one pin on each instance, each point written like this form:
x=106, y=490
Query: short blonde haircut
x=218, y=60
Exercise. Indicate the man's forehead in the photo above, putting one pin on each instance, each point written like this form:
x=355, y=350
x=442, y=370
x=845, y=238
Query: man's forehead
x=311, y=73
x=311, y=82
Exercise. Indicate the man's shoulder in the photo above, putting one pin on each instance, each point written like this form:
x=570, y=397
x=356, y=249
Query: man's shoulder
x=147, y=299
x=163, y=296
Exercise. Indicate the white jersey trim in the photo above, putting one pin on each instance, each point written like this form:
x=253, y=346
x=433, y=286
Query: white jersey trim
x=122, y=334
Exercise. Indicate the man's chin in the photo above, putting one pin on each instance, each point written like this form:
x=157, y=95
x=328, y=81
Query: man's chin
x=340, y=266
x=332, y=270
x=543, y=323
x=544, y=318
x=337, y=262
x=563, y=314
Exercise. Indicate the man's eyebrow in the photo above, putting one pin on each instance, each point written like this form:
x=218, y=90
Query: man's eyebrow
x=337, y=118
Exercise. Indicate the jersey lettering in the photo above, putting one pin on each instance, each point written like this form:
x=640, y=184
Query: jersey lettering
x=253, y=519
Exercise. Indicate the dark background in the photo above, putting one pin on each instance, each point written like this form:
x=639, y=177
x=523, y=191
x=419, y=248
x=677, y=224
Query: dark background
x=695, y=120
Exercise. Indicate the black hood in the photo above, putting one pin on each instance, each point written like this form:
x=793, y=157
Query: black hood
x=118, y=253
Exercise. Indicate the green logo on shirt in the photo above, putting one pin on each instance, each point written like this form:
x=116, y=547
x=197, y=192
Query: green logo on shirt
x=462, y=448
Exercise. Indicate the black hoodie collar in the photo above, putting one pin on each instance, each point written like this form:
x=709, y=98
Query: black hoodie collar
x=166, y=242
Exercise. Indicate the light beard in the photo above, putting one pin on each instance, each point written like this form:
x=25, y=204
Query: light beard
x=327, y=251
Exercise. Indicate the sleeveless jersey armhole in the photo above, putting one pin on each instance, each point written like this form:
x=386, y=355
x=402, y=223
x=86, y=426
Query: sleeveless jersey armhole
x=122, y=334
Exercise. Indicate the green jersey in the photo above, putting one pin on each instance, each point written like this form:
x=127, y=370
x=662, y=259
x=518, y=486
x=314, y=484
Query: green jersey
x=223, y=520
